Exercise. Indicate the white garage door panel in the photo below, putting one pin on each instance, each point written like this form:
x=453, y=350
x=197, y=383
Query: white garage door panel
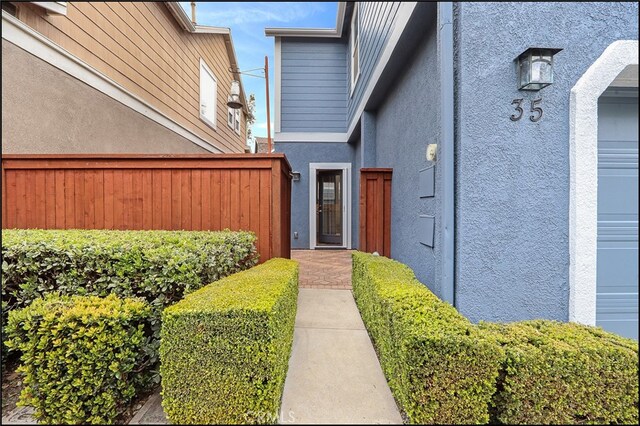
x=617, y=268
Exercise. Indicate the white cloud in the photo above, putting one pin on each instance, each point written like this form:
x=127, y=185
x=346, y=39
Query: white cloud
x=263, y=125
x=243, y=13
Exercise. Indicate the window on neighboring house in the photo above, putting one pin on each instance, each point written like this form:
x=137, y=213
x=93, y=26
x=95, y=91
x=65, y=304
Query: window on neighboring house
x=233, y=119
x=238, y=116
x=230, y=116
x=355, y=46
x=208, y=95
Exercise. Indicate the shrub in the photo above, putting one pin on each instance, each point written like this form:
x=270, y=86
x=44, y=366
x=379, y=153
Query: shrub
x=225, y=348
x=439, y=367
x=159, y=266
x=79, y=356
x=564, y=373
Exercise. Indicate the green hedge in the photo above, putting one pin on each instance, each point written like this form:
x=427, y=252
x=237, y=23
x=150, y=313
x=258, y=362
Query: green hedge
x=439, y=367
x=79, y=356
x=442, y=369
x=225, y=348
x=158, y=266
x=564, y=373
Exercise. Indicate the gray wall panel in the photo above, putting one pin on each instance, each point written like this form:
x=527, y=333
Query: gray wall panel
x=313, y=85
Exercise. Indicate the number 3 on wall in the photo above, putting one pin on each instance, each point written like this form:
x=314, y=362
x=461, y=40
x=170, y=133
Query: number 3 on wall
x=535, y=109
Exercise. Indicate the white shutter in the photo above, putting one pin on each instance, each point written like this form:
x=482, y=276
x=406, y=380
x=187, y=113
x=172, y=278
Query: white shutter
x=208, y=95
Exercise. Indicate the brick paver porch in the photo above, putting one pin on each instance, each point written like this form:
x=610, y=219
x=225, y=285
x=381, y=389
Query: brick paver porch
x=324, y=269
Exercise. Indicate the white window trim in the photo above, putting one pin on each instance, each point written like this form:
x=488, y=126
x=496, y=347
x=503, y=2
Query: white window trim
x=346, y=202
x=583, y=191
x=233, y=115
x=211, y=124
x=237, y=124
x=354, y=80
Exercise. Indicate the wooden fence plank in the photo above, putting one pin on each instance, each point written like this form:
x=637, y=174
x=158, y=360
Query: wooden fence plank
x=234, y=200
x=50, y=200
x=89, y=200
x=176, y=199
x=21, y=200
x=98, y=179
x=196, y=200
x=206, y=199
x=108, y=200
x=225, y=199
x=245, y=198
x=39, y=202
x=69, y=197
x=185, y=221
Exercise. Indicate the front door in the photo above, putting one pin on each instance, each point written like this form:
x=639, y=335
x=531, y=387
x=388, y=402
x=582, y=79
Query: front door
x=329, y=208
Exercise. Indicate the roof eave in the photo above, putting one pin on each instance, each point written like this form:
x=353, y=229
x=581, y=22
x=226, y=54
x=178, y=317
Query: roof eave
x=312, y=32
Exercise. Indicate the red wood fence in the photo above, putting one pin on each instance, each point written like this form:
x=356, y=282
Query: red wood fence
x=190, y=192
x=375, y=210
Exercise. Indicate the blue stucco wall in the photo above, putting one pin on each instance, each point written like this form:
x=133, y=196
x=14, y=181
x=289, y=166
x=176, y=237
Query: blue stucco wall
x=313, y=85
x=406, y=122
x=377, y=20
x=299, y=156
x=512, y=178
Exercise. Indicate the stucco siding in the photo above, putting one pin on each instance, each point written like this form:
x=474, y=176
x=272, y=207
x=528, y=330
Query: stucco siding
x=377, y=21
x=46, y=111
x=405, y=123
x=512, y=178
x=313, y=85
x=140, y=46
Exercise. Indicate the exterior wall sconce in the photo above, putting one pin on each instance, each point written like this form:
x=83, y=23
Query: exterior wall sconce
x=535, y=68
x=234, y=98
x=295, y=176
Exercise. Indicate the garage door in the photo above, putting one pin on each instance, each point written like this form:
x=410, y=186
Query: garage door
x=617, y=288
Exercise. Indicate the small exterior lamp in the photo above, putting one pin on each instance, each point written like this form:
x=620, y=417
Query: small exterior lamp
x=535, y=68
x=234, y=99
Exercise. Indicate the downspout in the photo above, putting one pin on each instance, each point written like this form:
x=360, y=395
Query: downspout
x=445, y=50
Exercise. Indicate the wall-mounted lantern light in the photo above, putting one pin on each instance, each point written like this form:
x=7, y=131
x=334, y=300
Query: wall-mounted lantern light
x=535, y=68
x=295, y=176
x=234, y=98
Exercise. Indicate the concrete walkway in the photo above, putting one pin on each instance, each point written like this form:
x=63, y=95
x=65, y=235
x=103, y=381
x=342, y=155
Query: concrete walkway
x=334, y=375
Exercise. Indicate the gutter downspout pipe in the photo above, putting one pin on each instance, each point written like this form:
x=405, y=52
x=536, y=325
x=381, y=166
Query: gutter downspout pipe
x=447, y=149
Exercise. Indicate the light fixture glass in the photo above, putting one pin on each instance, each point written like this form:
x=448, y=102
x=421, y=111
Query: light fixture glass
x=234, y=98
x=535, y=68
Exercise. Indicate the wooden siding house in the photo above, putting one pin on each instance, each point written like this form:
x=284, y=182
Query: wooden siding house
x=121, y=77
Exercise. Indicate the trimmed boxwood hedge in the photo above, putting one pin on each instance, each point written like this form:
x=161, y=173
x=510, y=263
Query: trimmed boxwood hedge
x=439, y=367
x=225, y=348
x=79, y=356
x=529, y=372
x=564, y=373
x=158, y=266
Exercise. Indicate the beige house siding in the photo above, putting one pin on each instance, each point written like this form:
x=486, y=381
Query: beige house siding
x=143, y=48
x=47, y=111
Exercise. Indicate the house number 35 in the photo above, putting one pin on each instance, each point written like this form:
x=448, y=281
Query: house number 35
x=535, y=109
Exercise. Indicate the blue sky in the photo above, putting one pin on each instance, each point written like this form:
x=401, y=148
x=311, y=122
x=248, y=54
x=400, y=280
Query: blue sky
x=247, y=21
